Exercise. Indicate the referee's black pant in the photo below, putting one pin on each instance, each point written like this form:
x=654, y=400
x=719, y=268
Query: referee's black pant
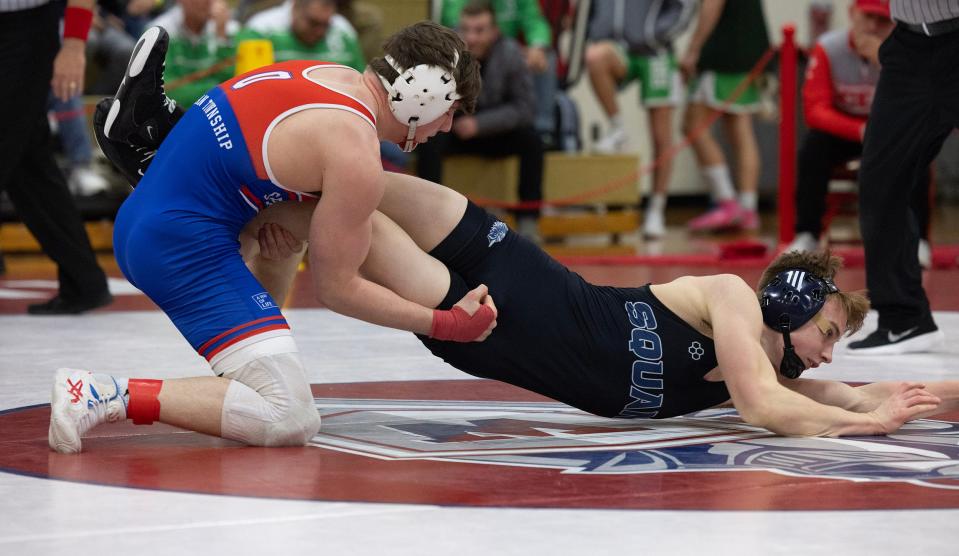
x=915, y=107
x=29, y=41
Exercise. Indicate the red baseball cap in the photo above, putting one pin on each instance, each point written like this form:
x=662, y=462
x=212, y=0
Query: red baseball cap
x=878, y=7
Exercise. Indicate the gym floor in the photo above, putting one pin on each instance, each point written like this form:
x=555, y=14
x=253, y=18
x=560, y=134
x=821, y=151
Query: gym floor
x=415, y=457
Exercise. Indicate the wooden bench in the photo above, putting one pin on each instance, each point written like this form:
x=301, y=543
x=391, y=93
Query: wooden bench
x=565, y=177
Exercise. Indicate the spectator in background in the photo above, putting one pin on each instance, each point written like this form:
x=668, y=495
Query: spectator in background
x=629, y=41
x=837, y=93
x=503, y=122
x=730, y=37
x=34, y=60
x=201, y=50
x=916, y=106
x=523, y=21
x=367, y=20
x=70, y=122
x=306, y=30
x=111, y=42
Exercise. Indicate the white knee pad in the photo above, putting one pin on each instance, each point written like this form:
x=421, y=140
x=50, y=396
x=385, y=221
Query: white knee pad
x=269, y=403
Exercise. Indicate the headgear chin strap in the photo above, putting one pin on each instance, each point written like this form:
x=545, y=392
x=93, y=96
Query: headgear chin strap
x=790, y=299
x=420, y=94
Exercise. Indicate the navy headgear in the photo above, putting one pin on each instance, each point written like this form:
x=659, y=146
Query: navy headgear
x=788, y=301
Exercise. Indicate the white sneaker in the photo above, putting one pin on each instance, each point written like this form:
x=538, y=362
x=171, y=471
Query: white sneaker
x=654, y=224
x=85, y=181
x=925, y=255
x=611, y=143
x=804, y=242
x=78, y=404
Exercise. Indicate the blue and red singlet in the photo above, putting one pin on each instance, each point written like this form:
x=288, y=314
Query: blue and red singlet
x=176, y=236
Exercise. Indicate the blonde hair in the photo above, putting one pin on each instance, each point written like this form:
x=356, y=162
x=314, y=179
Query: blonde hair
x=855, y=304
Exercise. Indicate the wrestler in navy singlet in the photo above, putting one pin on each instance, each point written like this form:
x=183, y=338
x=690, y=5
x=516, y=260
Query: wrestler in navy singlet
x=176, y=235
x=614, y=352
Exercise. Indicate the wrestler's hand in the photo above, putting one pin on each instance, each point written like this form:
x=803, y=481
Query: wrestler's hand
x=907, y=402
x=277, y=243
x=472, y=319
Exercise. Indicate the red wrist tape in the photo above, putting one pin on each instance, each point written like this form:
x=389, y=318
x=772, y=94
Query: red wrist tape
x=144, y=405
x=458, y=326
x=76, y=23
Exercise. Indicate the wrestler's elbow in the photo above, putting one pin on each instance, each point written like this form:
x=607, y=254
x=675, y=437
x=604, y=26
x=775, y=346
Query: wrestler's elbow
x=758, y=414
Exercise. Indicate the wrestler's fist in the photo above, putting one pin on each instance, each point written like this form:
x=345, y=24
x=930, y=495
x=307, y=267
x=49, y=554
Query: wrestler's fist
x=472, y=319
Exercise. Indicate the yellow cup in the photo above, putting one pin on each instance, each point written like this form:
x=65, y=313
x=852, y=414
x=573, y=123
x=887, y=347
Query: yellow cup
x=252, y=54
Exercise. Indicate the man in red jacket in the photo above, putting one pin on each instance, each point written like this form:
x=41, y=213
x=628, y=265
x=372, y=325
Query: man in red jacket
x=837, y=95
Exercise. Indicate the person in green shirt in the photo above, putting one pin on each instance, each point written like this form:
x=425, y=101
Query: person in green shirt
x=306, y=30
x=729, y=39
x=201, y=47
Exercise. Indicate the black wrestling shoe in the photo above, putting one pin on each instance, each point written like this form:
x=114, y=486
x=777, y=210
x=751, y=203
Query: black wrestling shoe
x=883, y=341
x=60, y=306
x=141, y=112
x=130, y=160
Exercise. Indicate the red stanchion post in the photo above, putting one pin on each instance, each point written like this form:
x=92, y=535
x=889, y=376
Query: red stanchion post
x=787, y=135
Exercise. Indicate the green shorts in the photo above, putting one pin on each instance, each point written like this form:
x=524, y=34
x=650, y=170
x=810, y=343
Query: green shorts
x=713, y=89
x=659, y=80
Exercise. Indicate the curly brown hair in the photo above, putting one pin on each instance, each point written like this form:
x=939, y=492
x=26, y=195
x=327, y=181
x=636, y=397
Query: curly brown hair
x=432, y=44
x=825, y=265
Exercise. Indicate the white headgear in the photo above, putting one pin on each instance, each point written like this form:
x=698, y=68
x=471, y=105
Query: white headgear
x=420, y=94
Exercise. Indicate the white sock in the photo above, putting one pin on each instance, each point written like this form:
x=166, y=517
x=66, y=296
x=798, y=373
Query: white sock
x=720, y=182
x=616, y=123
x=748, y=200
x=657, y=203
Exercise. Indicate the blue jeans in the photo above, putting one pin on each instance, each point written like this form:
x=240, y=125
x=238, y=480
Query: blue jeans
x=72, y=128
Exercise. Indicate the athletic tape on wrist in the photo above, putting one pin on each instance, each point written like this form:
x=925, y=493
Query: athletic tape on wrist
x=458, y=326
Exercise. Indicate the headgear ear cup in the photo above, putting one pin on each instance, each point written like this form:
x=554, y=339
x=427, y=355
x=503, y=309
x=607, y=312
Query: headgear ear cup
x=788, y=301
x=420, y=94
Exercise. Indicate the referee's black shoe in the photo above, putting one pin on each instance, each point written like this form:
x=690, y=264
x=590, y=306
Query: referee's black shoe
x=59, y=306
x=130, y=160
x=141, y=112
x=922, y=337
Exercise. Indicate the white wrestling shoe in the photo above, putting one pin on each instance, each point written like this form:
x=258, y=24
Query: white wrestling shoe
x=78, y=404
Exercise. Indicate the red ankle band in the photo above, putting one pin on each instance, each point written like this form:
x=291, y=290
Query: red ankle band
x=144, y=405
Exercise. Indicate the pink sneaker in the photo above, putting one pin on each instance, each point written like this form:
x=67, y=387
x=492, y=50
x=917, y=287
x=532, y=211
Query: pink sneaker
x=726, y=215
x=748, y=219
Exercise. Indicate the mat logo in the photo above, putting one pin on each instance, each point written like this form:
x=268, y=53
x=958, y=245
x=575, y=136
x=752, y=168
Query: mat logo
x=496, y=233
x=264, y=301
x=550, y=435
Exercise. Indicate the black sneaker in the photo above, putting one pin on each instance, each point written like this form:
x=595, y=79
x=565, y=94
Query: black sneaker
x=883, y=341
x=130, y=160
x=141, y=112
x=60, y=306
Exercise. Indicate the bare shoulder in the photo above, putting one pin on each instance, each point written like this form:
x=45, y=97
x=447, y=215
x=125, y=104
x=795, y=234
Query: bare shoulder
x=695, y=298
x=305, y=147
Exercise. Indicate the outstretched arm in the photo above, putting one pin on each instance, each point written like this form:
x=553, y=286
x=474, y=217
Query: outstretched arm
x=762, y=400
x=869, y=397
